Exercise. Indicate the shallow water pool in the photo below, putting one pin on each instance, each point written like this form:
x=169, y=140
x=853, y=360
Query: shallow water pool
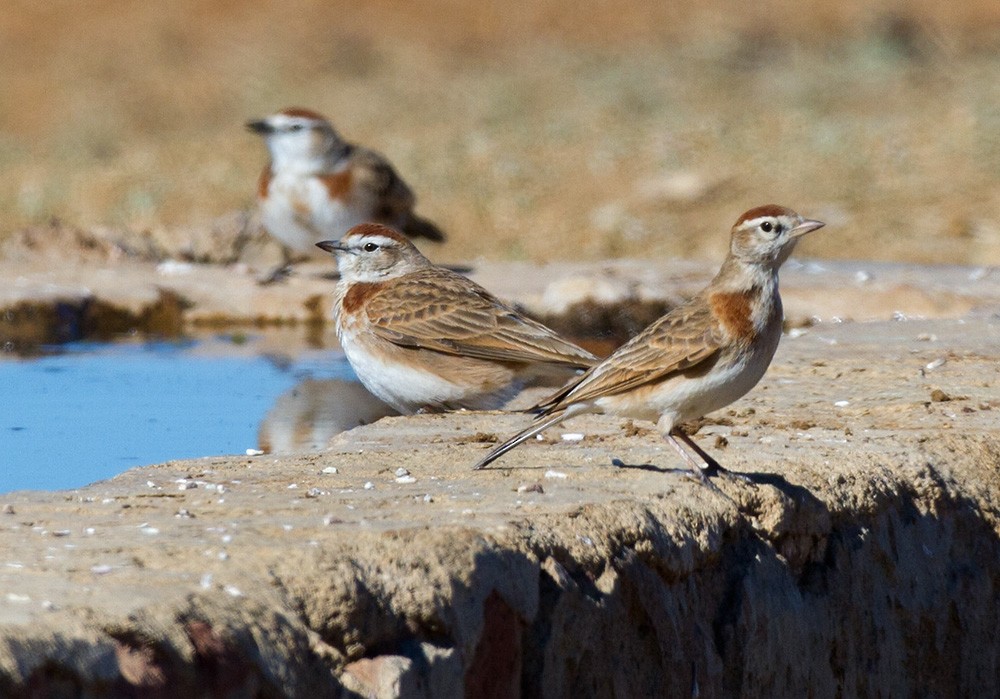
x=89, y=411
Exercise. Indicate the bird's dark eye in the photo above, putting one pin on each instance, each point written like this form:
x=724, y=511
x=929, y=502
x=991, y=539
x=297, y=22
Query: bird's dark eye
x=370, y=247
x=295, y=127
x=766, y=226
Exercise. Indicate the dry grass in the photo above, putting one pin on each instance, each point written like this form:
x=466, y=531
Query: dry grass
x=529, y=129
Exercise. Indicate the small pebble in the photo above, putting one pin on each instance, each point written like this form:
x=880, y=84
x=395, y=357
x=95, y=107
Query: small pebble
x=8, y=509
x=103, y=569
x=531, y=488
x=369, y=485
x=254, y=452
x=331, y=469
x=939, y=362
x=428, y=498
x=233, y=591
x=150, y=531
x=315, y=493
x=174, y=268
x=406, y=479
x=554, y=474
x=402, y=471
x=939, y=396
x=572, y=437
x=842, y=403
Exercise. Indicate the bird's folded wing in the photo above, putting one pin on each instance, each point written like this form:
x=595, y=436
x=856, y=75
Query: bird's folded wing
x=427, y=313
x=678, y=342
x=376, y=177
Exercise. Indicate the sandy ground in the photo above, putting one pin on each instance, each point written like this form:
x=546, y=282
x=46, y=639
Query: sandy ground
x=535, y=131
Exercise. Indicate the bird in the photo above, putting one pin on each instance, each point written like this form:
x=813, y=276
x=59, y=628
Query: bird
x=423, y=338
x=317, y=185
x=699, y=357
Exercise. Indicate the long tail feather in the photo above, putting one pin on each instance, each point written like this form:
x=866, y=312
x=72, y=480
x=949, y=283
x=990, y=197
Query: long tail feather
x=542, y=422
x=419, y=227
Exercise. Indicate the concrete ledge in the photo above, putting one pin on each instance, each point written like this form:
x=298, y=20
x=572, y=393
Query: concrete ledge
x=44, y=300
x=862, y=560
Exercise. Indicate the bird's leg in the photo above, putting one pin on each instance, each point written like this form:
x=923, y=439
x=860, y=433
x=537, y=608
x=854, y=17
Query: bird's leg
x=430, y=409
x=713, y=466
x=697, y=472
x=666, y=427
x=281, y=272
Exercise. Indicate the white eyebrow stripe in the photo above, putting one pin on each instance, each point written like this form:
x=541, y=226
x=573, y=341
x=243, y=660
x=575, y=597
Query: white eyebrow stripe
x=380, y=240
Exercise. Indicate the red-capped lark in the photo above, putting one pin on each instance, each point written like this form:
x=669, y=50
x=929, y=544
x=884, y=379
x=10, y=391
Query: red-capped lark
x=317, y=186
x=699, y=357
x=421, y=337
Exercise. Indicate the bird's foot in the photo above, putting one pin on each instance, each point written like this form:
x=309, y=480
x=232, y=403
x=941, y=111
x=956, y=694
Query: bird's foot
x=276, y=275
x=715, y=469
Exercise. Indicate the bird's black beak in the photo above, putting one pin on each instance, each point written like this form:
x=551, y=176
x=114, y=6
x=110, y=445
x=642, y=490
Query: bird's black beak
x=331, y=246
x=261, y=126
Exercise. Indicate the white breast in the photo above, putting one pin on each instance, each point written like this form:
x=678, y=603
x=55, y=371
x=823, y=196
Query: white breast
x=299, y=212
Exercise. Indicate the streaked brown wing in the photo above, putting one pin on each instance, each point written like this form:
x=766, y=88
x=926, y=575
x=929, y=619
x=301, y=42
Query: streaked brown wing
x=678, y=341
x=439, y=310
x=376, y=179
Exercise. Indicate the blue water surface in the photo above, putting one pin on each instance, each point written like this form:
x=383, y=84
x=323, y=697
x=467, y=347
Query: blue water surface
x=92, y=411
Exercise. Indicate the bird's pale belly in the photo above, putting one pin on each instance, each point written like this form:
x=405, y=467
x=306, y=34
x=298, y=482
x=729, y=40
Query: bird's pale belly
x=682, y=398
x=402, y=379
x=301, y=215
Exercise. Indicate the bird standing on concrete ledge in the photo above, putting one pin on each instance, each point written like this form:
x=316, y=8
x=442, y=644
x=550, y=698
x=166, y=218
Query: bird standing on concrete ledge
x=702, y=355
x=422, y=337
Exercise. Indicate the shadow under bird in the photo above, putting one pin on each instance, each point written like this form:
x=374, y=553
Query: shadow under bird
x=424, y=338
x=318, y=186
x=698, y=358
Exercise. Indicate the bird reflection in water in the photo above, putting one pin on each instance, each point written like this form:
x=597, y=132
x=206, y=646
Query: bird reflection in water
x=311, y=413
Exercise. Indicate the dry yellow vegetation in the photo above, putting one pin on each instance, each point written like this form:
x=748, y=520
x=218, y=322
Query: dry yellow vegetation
x=529, y=129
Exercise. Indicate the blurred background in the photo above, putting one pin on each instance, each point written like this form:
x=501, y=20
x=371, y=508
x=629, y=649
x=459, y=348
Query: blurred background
x=530, y=129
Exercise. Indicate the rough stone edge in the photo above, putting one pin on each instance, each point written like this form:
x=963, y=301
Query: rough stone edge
x=524, y=608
